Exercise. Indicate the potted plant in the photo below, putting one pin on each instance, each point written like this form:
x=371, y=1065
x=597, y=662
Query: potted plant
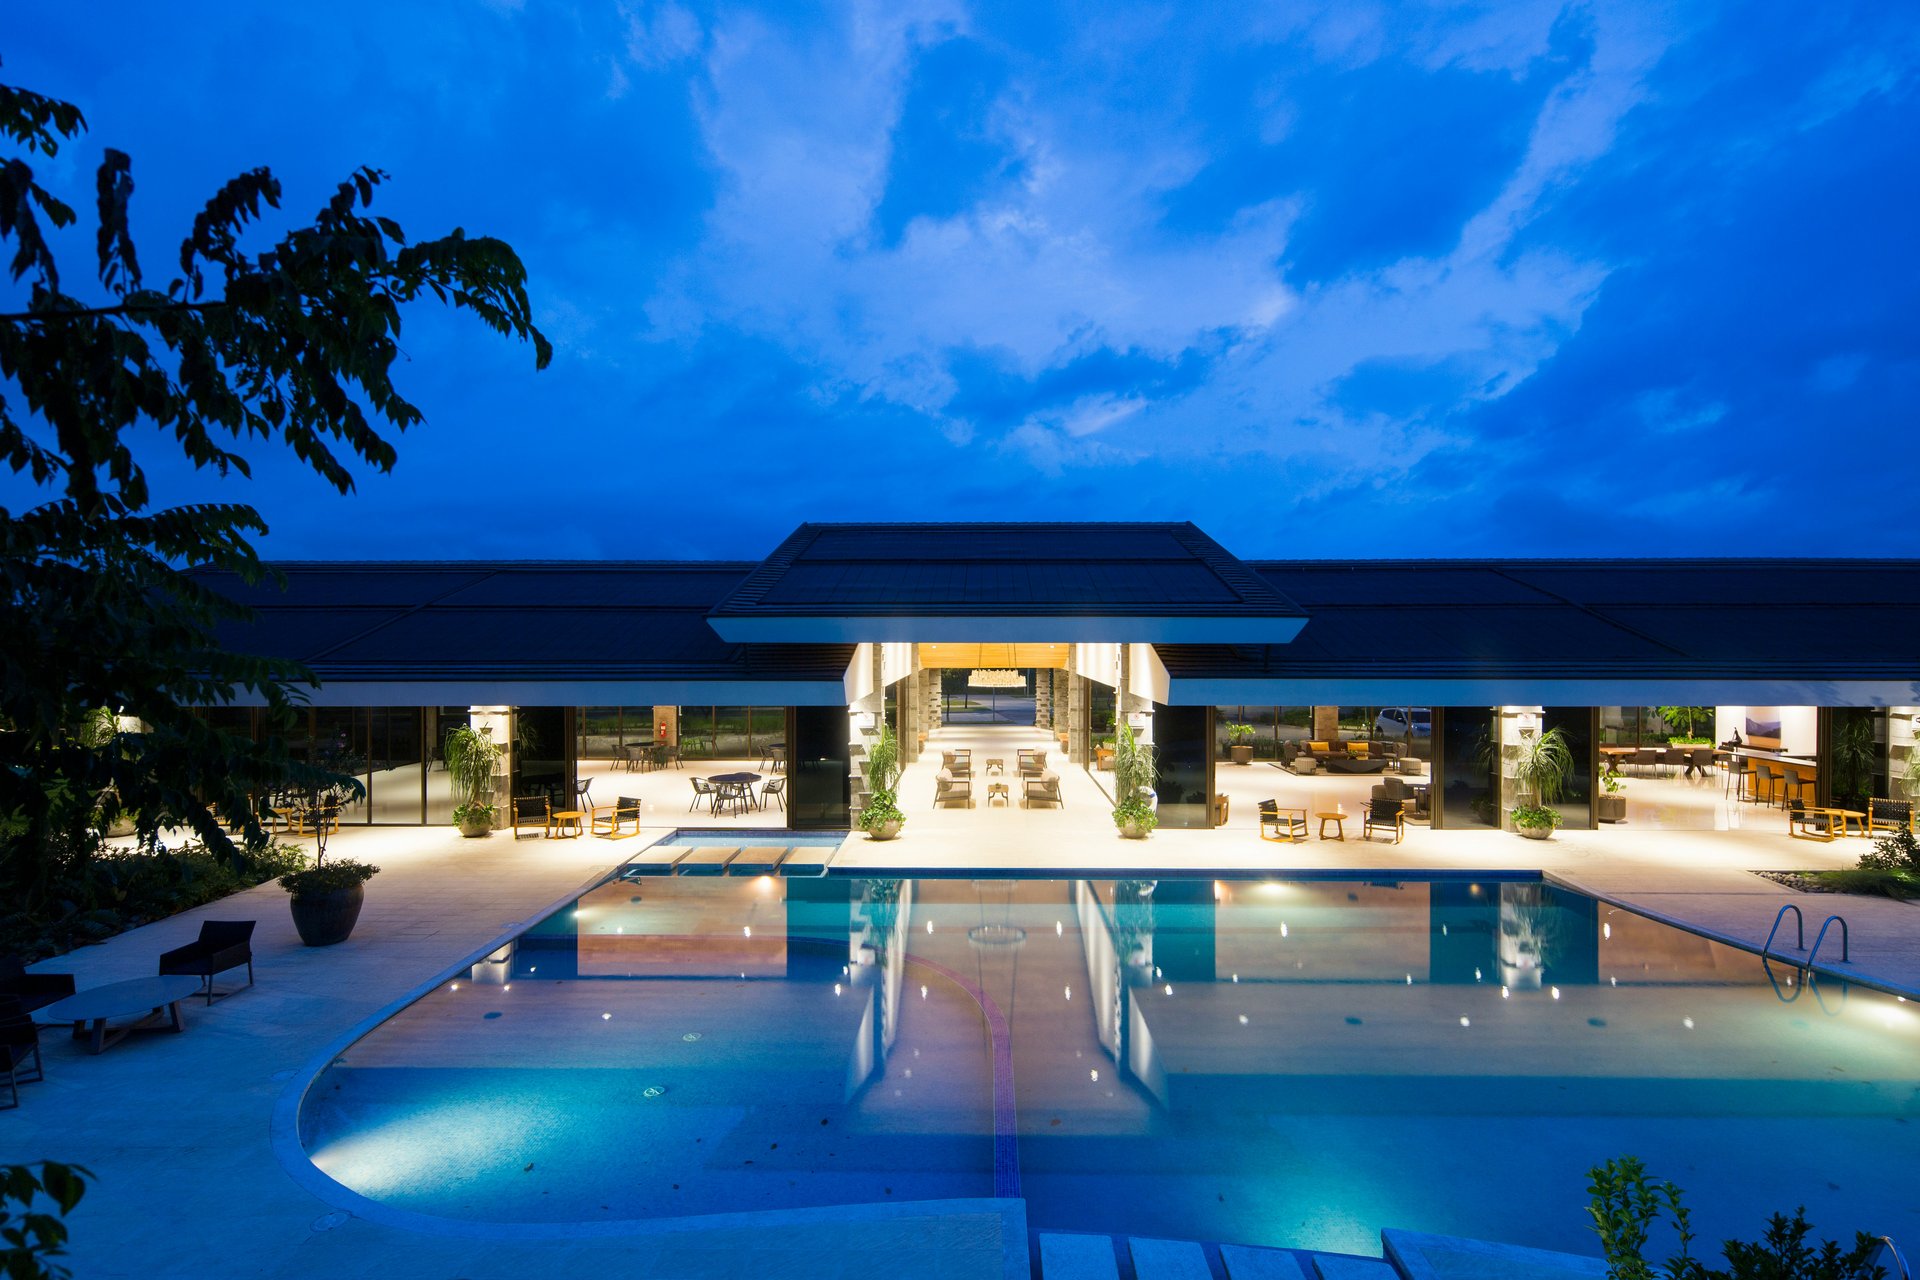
x=1541, y=768
x=1133, y=778
x=1535, y=822
x=327, y=896
x=1240, y=743
x=473, y=758
x=880, y=817
x=1611, y=804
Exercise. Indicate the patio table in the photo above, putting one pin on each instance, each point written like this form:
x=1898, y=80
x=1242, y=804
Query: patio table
x=735, y=787
x=149, y=997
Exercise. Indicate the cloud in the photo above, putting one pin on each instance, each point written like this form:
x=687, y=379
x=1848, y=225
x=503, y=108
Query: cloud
x=1060, y=254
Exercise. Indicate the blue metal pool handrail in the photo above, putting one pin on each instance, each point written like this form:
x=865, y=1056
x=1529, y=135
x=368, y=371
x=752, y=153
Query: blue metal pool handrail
x=1822, y=937
x=1799, y=929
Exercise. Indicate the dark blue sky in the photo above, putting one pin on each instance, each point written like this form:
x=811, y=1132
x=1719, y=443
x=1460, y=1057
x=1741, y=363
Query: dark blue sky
x=1509, y=278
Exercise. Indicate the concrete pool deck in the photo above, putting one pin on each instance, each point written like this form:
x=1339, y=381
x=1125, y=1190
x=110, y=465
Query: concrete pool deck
x=177, y=1128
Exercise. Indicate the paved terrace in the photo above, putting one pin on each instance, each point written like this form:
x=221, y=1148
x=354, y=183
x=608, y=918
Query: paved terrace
x=177, y=1128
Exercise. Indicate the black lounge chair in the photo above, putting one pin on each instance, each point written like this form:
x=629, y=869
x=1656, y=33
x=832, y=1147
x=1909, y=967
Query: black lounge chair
x=222, y=945
x=32, y=990
x=1384, y=815
x=19, y=1045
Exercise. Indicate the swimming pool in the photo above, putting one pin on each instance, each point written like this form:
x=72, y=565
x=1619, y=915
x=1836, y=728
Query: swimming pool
x=1294, y=1062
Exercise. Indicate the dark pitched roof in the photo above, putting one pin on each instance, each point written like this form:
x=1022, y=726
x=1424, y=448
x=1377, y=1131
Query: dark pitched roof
x=1659, y=619
x=383, y=621
x=995, y=582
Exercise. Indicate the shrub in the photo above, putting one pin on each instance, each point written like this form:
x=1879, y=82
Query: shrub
x=1898, y=850
x=328, y=877
x=1626, y=1205
x=1533, y=815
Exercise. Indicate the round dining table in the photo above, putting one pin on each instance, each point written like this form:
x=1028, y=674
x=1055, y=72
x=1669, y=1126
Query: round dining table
x=737, y=787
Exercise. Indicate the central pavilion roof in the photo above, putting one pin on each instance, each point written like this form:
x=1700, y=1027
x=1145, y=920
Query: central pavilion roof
x=1146, y=583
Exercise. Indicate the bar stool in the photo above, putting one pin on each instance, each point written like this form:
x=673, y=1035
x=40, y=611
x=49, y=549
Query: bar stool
x=1795, y=785
x=1763, y=781
x=1739, y=777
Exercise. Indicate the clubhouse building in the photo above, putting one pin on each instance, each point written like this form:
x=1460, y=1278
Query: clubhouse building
x=1692, y=693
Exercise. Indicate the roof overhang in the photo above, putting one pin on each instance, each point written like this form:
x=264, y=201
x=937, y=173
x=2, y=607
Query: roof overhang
x=1154, y=583
x=1029, y=628
x=1529, y=691
x=572, y=693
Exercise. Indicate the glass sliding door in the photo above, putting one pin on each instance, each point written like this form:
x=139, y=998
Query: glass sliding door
x=1464, y=769
x=1575, y=724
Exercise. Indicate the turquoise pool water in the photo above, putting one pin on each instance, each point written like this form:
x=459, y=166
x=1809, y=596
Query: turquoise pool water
x=1276, y=1062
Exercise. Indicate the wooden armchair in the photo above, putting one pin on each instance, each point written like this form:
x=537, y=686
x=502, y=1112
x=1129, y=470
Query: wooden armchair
x=1889, y=815
x=532, y=813
x=947, y=789
x=1811, y=824
x=1286, y=825
x=1384, y=815
x=1044, y=789
x=607, y=819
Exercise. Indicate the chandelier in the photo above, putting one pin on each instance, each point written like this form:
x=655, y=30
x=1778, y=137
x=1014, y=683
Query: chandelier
x=996, y=678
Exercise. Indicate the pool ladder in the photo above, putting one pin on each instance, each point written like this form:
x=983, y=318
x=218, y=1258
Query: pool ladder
x=1800, y=935
x=1809, y=977
x=1887, y=1243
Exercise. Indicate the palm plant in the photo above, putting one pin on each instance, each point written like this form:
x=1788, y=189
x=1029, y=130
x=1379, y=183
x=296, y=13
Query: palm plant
x=1134, y=773
x=1542, y=769
x=882, y=769
x=473, y=758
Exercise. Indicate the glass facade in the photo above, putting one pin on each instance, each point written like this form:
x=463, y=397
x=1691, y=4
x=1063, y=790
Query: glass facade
x=1468, y=796
x=1853, y=742
x=1185, y=783
x=1575, y=724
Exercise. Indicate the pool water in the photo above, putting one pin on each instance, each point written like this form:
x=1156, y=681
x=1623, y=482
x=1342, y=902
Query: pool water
x=1272, y=1062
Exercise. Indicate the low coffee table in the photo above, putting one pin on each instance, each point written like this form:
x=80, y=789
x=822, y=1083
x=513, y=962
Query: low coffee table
x=1339, y=821
x=148, y=997
x=996, y=791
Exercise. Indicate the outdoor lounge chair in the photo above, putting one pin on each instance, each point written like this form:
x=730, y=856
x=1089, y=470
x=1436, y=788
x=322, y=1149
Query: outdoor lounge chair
x=1044, y=789
x=32, y=990
x=534, y=813
x=947, y=789
x=1384, y=815
x=222, y=945
x=19, y=1045
x=1811, y=824
x=606, y=819
x=1288, y=825
x=1882, y=815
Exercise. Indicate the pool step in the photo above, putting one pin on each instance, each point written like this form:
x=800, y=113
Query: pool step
x=1168, y=1260
x=1338, y=1266
x=1244, y=1262
x=1419, y=1256
x=758, y=860
x=1064, y=1257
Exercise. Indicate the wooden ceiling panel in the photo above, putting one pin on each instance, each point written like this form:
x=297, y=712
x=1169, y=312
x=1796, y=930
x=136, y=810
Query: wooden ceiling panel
x=1014, y=656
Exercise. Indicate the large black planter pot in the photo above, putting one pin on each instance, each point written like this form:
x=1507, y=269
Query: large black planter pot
x=326, y=918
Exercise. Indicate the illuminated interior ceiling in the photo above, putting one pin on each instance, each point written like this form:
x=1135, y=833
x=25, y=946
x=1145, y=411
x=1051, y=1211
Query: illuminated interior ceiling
x=1015, y=656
